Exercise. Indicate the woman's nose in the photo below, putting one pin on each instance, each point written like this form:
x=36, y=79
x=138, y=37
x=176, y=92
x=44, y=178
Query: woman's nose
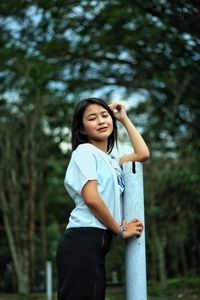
x=101, y=120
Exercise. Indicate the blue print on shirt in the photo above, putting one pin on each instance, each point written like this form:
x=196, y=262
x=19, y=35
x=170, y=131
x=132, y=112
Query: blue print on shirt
x=120, y=178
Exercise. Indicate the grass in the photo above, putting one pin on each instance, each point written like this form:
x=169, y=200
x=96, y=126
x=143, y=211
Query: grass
x=112, y=294
x=182, y=288
x=115, y=293
x=109, y=296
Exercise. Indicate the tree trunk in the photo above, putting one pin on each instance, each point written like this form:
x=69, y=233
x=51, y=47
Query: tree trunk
x=183, y=259
x=161, y=259
x=20, y=261
x=32, y=223
x=153, y=268
x=43, y=225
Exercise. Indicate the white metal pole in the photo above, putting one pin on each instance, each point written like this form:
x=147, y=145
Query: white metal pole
x=49, y=280
x=135, y=261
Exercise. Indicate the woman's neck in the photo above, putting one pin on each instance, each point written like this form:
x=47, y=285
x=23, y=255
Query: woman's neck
x=103, y=146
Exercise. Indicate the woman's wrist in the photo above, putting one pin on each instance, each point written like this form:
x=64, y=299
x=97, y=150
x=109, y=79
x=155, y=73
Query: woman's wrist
x=122, y=231
x=125, y=121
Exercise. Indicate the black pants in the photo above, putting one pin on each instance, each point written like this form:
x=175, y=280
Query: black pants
x=81, y=263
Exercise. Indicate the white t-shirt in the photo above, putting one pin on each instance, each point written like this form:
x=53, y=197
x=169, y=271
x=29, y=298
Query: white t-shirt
x=90, y=163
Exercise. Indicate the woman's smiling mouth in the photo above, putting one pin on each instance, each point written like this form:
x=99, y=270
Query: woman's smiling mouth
x=102, y=129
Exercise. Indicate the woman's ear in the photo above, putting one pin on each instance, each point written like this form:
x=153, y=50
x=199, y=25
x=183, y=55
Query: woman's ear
x=82, y=131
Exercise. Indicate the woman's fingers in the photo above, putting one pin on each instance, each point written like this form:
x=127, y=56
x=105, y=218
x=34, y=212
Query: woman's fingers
x=119, y=110
x=133, y=228
x=117, y=106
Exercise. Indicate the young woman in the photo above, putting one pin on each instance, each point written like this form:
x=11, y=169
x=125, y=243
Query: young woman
x=94, y=180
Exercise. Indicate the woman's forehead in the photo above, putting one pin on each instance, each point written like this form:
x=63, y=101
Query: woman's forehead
x=94, y=109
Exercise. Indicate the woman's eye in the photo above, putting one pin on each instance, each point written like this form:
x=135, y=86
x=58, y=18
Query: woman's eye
x=91, y=119
x=105, y=116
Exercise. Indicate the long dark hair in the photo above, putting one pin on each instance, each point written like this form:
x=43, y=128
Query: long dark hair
x=78, y=137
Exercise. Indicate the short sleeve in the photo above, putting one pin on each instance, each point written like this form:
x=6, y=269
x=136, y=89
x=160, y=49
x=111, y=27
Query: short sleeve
x=82, y=167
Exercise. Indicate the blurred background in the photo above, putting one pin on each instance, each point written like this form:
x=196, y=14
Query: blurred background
x=54, y=53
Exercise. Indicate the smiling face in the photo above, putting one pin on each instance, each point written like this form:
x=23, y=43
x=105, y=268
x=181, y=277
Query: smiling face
x=97, y=124
x=93, y=122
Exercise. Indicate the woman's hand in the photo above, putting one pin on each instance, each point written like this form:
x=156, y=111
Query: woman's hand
x=133, y=228
x=119, y=111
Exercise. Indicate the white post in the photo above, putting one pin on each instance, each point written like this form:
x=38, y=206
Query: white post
x=135, y=261
x=49, y=280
